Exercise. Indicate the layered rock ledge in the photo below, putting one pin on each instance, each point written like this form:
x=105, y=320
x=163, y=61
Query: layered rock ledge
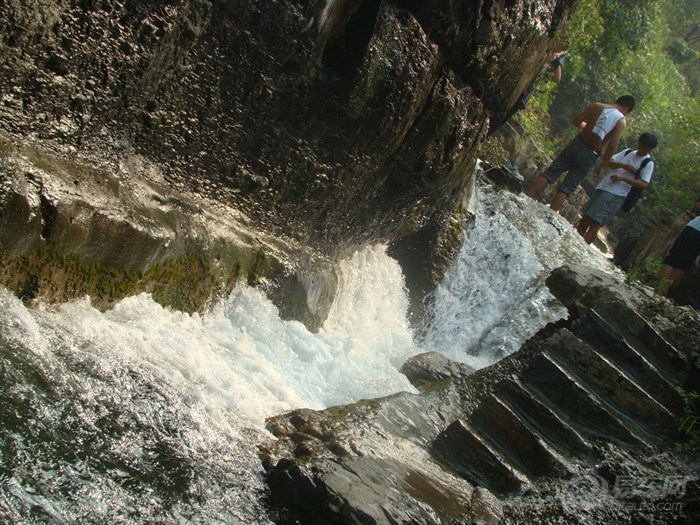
x=538, y=437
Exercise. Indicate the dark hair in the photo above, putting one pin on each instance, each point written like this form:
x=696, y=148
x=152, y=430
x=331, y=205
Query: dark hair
x=648, y=140
x=626, y=101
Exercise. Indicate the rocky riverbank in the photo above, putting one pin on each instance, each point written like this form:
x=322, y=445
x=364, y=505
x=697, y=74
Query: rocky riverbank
x=178, y=147
x=550, y=434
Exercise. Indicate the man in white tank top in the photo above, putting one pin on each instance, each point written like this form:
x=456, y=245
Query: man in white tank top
x=601, y=128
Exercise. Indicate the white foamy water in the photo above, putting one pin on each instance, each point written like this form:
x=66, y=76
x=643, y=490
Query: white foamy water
x=194, y=388
x=242, y=354
x=141, y=385
x=494, y=297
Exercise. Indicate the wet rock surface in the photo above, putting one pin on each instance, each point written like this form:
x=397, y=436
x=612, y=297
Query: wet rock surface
x=68, y=227
x=335, y=124
x=584, y=407
x=271, y=139
x=432, y=367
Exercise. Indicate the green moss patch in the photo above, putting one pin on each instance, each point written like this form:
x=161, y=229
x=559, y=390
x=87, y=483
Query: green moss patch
x=342, y=411
x=186, y=283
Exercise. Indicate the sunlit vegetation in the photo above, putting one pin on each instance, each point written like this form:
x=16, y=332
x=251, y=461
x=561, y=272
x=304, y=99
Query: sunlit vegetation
x=637, y=47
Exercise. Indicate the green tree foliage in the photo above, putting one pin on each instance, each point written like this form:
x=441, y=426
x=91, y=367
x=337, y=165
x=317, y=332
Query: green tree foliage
x=626, y=24
x=637, y=47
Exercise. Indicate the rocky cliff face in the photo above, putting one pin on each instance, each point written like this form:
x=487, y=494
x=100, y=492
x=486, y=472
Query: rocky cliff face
x=332, y=123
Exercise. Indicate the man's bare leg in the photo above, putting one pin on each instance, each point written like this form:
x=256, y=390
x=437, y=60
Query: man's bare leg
x=537, y=186
x=587, y=228
x=558, y=200
x=591, y=233
x=666, y=272
x=583, y=225
x=668, y=277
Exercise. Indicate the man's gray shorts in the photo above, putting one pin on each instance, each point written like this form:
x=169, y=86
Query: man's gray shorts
x=578, y=158
x=602, y=206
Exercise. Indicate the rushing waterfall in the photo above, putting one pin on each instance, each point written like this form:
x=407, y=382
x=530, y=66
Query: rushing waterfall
x=494, y=297
x=142, y=414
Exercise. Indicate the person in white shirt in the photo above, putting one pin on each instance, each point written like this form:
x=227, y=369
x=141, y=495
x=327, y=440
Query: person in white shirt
x=623, y=173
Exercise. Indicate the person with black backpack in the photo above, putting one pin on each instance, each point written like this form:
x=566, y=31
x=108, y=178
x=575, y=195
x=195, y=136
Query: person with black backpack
x=627, y=169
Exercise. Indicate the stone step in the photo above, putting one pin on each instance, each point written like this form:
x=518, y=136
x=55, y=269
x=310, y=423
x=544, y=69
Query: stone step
x=605, y=341
x=643, y=338
x=469, y=455
x=614, y=390
x=515, y=441
x=573, y=402
x=540, y=419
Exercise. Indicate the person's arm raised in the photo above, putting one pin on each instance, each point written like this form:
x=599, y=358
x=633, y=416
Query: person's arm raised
x=556, y=73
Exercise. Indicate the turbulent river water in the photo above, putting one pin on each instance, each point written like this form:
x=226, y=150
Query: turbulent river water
x=142, y=414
